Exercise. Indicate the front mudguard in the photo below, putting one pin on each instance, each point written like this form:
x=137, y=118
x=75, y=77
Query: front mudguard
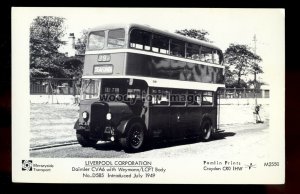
x=123, y=125
x=76, y=125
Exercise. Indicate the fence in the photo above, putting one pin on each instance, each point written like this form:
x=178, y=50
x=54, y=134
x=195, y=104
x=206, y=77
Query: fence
x=65, y=86
x=61, y=86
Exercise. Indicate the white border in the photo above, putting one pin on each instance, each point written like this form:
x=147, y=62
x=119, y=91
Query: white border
x=180, y=170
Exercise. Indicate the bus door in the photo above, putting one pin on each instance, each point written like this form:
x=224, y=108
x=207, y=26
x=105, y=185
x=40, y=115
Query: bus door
x=159, y=112
x=179, y=120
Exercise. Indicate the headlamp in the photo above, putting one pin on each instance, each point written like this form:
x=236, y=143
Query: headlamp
x=108, y=116
x=85, y=115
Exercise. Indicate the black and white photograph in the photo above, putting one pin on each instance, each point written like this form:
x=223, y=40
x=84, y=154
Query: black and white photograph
x=148, y=95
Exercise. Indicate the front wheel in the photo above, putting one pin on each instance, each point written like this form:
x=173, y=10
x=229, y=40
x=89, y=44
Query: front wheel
x=134, y=138
x=206, y=130
x=84, y=140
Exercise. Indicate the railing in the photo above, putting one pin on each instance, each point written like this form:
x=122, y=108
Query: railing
x=244, y=93
x=65, y=86
x=57, y=86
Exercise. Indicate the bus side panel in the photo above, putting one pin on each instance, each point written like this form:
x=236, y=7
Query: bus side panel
x=159, y=67
x=116, y=59
x=193, y=118
x=179, y=122
x=194, y=115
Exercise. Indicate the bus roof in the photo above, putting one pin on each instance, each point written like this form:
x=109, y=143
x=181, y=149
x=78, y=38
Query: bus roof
x=148, y=28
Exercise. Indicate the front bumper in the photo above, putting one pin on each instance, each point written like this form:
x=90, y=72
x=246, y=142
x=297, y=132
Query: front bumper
x=108, y=134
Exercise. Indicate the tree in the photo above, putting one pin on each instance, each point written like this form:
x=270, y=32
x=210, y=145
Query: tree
x=80, y=45
x=255, y=69
x=193, y=33
x=241, y=60
x=45, y=39
x=229, y=79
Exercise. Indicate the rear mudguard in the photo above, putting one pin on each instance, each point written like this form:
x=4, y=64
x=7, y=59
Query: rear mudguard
x=205, y=117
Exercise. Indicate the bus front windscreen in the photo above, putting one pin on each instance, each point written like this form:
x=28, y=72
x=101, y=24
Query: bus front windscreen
x=115, y=39
x=90, y=89
x=96, y=40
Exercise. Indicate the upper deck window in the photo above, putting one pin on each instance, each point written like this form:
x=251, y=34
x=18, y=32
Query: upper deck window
x=140, y=39
x=193, y=52
x=165, y=44
x=96, y=40
x=177, y=48
x=206, y=54
x=160, y=44
x=116, y=38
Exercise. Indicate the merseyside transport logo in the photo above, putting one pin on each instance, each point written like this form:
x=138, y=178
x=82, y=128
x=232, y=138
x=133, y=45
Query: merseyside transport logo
x=26, y=165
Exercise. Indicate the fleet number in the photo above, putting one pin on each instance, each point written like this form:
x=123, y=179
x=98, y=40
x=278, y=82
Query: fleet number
x=271, y=164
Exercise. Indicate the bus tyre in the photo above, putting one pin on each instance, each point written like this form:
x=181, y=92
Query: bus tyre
x=206, y=130
x=134, y=138
x=84, y=139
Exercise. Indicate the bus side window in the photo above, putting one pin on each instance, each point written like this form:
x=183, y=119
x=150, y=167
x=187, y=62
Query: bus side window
x=192, y=51
x=140, y=39
x=216, y=59
x=207, y=98
x=194, y=98
x=160, y=97
x=134, y=93
x=177, y=48
x=206, y=54
x=178, y=97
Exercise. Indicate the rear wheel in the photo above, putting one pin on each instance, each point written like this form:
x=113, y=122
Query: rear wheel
x=84, y=140
x=134, y=138
x=206, y=130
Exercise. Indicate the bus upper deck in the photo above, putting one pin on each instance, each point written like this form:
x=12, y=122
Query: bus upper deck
x=138, y=50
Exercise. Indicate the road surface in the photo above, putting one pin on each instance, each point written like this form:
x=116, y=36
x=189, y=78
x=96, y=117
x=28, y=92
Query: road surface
x=239, y=139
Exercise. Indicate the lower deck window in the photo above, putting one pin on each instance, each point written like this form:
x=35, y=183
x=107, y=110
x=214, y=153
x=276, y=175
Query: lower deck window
x=194, y=98
x=134, y=93
x=207, y=98
x=160, y=97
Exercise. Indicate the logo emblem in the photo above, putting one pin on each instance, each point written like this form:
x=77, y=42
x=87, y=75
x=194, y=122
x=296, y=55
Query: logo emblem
x=26, y=165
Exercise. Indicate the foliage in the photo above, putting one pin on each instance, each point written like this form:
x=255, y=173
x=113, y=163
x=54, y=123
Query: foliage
x=46, y=34
x=45, y=39
x=242, y=62
x=73, y=66
x=194, y=33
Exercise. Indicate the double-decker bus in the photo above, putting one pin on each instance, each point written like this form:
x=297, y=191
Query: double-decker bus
x=141, y=83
